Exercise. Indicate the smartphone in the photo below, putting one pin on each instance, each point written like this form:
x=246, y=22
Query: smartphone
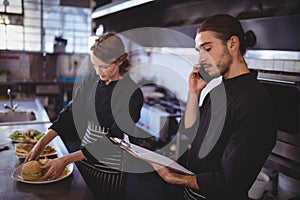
x=204, y=75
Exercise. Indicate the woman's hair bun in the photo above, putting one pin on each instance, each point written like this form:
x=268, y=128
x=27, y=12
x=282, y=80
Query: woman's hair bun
x=250, y=38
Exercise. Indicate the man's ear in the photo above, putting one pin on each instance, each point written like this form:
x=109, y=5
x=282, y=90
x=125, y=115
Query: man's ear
x=233, y=43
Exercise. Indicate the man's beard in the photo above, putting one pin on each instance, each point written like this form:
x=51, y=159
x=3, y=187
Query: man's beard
x=224, y=61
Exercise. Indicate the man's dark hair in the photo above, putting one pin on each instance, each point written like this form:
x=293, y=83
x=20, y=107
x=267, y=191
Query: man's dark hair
x=226, y=26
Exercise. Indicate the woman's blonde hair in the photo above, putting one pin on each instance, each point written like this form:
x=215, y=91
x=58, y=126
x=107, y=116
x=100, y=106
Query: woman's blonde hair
x=110, y=49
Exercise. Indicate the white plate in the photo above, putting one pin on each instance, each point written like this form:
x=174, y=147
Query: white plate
x=4, y=144
x=17, y=141
x=41, y=156
x=16, y=175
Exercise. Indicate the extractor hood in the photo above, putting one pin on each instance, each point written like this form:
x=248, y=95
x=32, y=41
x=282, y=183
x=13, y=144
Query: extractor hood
x=185, y=15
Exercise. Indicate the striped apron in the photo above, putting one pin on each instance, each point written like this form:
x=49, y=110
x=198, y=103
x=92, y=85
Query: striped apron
x=105, y=177
x=190, y=194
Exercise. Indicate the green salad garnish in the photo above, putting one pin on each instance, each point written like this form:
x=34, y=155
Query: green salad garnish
x=21, y=135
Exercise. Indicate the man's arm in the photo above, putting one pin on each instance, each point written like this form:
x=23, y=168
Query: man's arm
x=196, y=85
x=173, y=177
x=191, y=110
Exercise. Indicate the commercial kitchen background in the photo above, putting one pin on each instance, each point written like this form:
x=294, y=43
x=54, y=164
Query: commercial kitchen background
x=43, y=45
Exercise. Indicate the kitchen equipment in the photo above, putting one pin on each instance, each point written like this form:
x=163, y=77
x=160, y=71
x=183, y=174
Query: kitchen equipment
x=288, y=187
x=60, y=45
x=257, y=189
x=285, y=159
x=30, y=111
x=16, y=116
x=159, y=115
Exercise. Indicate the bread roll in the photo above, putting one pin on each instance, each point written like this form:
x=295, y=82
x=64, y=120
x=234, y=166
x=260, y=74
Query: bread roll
x=31, y=171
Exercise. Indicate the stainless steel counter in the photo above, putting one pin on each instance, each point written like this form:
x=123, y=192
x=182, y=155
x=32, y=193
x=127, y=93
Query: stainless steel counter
x=72, y=187
x=33, y=105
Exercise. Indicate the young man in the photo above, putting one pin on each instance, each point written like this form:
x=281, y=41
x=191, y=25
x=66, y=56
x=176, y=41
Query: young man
x=234, y=129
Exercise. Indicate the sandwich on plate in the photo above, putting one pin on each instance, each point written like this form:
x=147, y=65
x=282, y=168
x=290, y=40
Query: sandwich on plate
x=31, y=171
x=22, y=149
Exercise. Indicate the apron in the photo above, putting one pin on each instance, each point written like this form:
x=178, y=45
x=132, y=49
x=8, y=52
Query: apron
x=104, y=177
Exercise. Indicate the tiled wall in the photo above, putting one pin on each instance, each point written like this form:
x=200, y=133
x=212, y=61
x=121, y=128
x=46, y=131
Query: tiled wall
x=272, y=60
x=166, y=64
x=17, y=64
x=279, y=65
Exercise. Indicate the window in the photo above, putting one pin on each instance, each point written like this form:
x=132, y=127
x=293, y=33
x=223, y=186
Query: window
x=41, y=22
x=11, y=6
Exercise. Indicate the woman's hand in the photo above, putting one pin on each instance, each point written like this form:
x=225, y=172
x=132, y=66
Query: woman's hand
x=35, y=152
x=57, y=166
x=54, y=168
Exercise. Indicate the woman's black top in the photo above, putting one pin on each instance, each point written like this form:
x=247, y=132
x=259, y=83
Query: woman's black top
x=97, y=112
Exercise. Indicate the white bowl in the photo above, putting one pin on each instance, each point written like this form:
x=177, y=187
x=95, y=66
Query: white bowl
x=257, y=189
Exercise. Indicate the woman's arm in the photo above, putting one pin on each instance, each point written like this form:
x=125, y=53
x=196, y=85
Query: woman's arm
x=57, y=166
x=34, y=154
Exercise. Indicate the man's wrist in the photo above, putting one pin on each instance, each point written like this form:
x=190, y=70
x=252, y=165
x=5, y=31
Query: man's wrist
x=191, y=182
x=192, y=94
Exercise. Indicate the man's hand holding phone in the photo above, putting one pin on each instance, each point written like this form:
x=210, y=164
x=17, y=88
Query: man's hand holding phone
x=202, y=73
x=196, y=82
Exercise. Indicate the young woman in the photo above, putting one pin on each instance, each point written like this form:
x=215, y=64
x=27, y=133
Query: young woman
x=107, y=104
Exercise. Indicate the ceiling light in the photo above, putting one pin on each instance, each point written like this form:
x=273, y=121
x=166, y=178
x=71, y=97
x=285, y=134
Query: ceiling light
x=117, y=6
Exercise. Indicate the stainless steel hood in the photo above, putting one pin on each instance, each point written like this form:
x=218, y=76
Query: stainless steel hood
x=274, y=21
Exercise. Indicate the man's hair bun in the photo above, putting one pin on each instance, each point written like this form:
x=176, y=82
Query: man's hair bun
x=250, y=38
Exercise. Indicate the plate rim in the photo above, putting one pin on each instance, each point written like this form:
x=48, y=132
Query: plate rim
x=17, y=141
x=69, y=166
x=4, y=143
x=41, y=156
